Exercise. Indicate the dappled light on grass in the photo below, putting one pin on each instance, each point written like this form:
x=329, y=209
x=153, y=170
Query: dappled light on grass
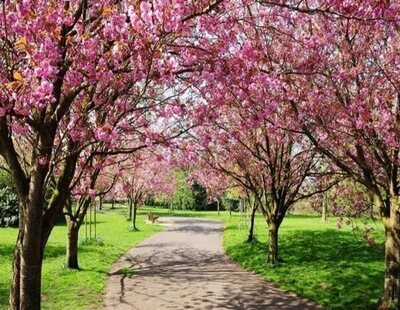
x=64, y=288
x=334, y=268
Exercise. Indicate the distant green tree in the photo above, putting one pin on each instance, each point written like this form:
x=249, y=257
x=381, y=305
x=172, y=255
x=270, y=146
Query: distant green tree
x=149, y=200
x=200, y=196
x=183, y=198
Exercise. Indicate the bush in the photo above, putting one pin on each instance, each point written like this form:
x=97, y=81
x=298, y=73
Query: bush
x=8, y=207
x=5, y=179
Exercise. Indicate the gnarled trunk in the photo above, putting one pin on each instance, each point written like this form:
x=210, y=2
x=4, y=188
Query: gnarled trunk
x=272, y=244
x=391, y=294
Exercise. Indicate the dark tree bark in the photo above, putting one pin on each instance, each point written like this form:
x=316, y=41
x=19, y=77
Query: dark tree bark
x=74, y=223
x=31, y=256
x=134, y=217
x=25, y=292
x=72, y=245
x=101, y=198
x=16, y=271
x=391, y=222
x=35, y=224
x=250, y=237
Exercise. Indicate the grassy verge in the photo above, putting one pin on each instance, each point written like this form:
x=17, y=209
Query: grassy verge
x=224, y=215
x=334, y=268
x=68, y=289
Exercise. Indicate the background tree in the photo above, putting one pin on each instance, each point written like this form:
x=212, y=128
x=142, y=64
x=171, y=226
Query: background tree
x=146, y=173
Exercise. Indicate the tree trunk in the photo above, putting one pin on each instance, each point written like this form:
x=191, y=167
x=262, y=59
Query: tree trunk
x=324, y=215
x=90, y=221
x=101, y=203
x=74, y=223
x=130, y=203
x=250, y=238
x=218, y=206
x=273, y=244
x=30, y=259
x=25, y=292
x=95, y=222
x=391, y=294
x=31, y=280
x=16, y=271
x=134, y=217
x=14, y=297
x=72, y=246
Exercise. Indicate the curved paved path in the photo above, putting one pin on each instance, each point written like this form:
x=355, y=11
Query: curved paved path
x=185, y=267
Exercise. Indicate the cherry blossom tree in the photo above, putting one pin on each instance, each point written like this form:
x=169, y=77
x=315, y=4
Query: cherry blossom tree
x=268, y=84
x=144, y=174
x=278, y=167
x=74, y=72
x=331, y=67
x=350, y=69
x=215, y=182
x=83, y=191
x=105, y=183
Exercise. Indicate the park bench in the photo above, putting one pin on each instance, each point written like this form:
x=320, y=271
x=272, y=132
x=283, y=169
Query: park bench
x=152, y=217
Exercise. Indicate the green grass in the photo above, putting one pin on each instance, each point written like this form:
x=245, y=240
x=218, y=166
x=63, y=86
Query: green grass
x=69, y=289
x=188, y=213
x=334, y=268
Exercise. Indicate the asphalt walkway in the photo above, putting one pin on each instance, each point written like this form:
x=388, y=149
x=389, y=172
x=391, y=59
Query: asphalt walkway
x=184, y=267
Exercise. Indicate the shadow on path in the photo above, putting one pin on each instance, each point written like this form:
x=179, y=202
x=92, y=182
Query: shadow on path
x=185, y=268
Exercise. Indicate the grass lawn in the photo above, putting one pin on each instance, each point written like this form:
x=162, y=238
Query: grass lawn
x=331, y=267
x=334, y=268
x=224, y=215
x=68, y=289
